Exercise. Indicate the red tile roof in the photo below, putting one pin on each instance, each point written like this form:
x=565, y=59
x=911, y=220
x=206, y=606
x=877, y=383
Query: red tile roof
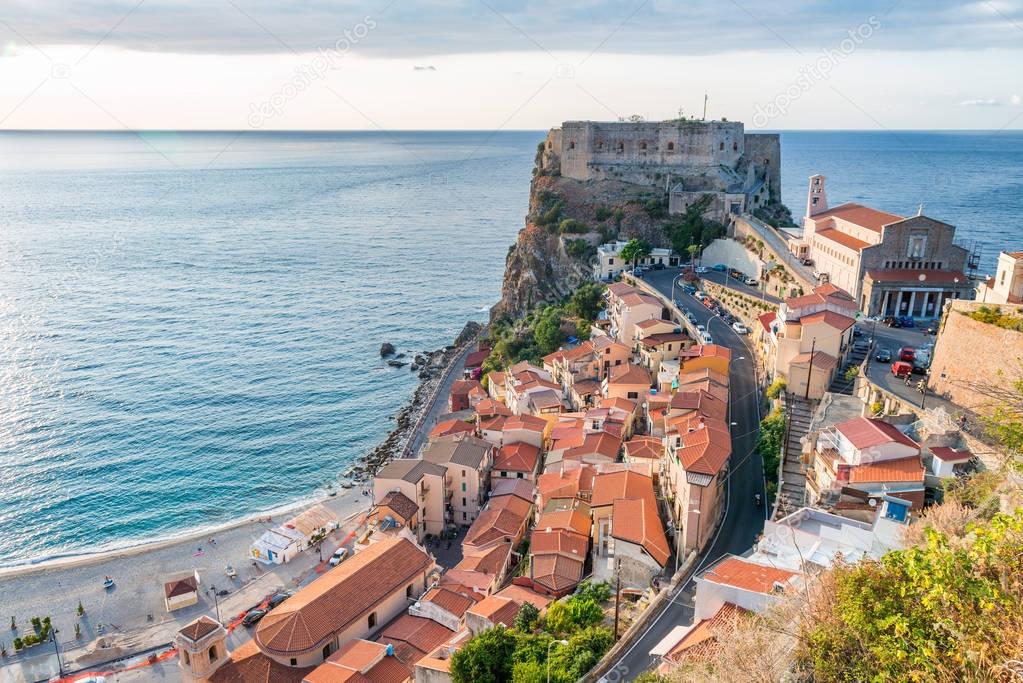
x=497, y=610
x=529, y=423
x=598, y=444
x=909, y=469
x=860, y=215
x=449, y=427
x=522, y=488
x=449, y=600
x=200, y=628
x=517, y=457
x=758, y=578
x=702, y=639
x=339, y=597
x=635, y=520
x=706, y=445
x=249, y=665
x=820, y=360
x=503, y=517
x=573, y=520
x=826, y=293
x=556, y=572
x=490, y=560
x=702, y=402
x=420, y=634
x=629, y=374
x=566, y=483
x=839, y=237
x=766, y=319
x=864, y=432
x=476, y=358
x=560, y=541
x=829, y=318
x=179, y=587
x=623, y=484
x=644, y=447
x=946, y=454
x=488, y=407
x=521, y=594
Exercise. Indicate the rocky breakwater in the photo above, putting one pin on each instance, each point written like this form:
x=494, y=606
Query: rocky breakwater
x=432, y=368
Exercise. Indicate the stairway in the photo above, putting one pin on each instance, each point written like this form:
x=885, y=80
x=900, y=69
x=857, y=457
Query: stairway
x=841, y=385
x=793, y=485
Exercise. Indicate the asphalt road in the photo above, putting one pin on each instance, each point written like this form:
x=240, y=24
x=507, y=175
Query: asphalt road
x=743, y=520
x=880, y=374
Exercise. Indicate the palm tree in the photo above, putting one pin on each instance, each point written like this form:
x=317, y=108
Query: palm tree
x=692, y=249
x=635, y=250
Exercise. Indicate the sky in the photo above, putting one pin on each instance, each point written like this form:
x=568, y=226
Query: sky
x=508, y=64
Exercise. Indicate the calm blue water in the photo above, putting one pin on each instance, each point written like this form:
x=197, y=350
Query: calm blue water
x=189, y=324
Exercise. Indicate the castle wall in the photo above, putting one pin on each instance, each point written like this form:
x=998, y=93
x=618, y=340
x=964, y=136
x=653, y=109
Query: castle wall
x=764, y=151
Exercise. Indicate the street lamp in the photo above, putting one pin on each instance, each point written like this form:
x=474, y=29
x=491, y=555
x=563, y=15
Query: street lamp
x=549, y=645
x=56, y=648
x=216, y=603
x=674, y=280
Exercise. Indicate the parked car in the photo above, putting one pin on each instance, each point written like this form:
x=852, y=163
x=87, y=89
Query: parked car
x=338, y=557
x=861, y=346
x=719, y=267
x=702, y=270
x=278, y=598
x=689, y=289
x=907, y=354
x=932, y=329
x=857, y=332
x=806, y=261
x=907, y=321
x=700, y=328
x=658, y=266
x=638, y=272
x=706, y=339
x=699, y=294
x=738, y=275
x=752, y=282
x=740, y=328
x=818, y=274
x=253, y=616
x=919, y=368
x=692, y=318
x=883, y=356
x=892, y=321
x=901, y=369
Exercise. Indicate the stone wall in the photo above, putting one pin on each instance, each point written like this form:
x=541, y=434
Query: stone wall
x=970, y=357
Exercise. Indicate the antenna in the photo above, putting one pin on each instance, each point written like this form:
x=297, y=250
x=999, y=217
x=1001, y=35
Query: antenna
x=704, y=105
x=920, y=209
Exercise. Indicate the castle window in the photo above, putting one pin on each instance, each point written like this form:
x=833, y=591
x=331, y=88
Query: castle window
x=213, y=653
x=671, y=146
x=600, y=144
x=735, y=146
x=571, y=144
x=621, y=146
x=767, y=162
x=642, y=145
x=721, y=146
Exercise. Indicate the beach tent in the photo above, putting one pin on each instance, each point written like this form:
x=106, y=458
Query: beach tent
x=277, y=546
x=181, y=590
x=317, y=520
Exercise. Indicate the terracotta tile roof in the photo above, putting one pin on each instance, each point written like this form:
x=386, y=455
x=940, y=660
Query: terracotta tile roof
x=503, y=517
x=464, y=386
x=461, y=449
x=909, y=469
x=565, y=436
x=766, y=319
x=623, y=484
x=708, y=351
x=342, y=595
x=179, y=587
x=749, y=576
x=449, y=427
x=489, y=408
x=839, y=237
x=829, y=318
x=644, y=447
x=401, y=504
x=521, y=595
x=249, y=665
x=864, y=432
x=488, y=561
x=566, y=482
x=449, y=600
x=701, y=402
x=946, y=454
x=821, y=360
x=629, y=374
x=619, y=288
x=918, y=277
x=360, y=661
x=529, y=423
x=517, y=457
x=476, y=358
x=548, y=398
x=654, y=322
x=521, y=488
x=637, y=298
x=703, y=639
x=706, y=445
x=586, y=387
x=860, y=215
x=826, y=293
x=702, y=374
x=599, y=444
x=495, y=377
x=524, y=366
x=497, y=610
x=559, y=541
x=635, y=520
x=468, y=580
x=573, y=520
x=411, y=470
x=420, y=634
x=556, y=572
x=493, y=424
x=618, y=403
x=652, y=340
x=199, y=629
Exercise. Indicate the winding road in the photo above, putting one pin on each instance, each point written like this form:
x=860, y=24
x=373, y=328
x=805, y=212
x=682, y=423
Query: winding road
x=743, y=521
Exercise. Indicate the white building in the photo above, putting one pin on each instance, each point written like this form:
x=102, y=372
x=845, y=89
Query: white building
x=1006, y=287
x=610, y=263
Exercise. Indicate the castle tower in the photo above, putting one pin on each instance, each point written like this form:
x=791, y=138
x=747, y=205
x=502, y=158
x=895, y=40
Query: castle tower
x=202, y=649
x=816, y=196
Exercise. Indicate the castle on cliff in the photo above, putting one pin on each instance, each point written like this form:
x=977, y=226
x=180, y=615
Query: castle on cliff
x=740, y=171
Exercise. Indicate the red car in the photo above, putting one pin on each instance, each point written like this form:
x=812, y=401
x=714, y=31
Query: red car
x=907, y=353
x=902, y=369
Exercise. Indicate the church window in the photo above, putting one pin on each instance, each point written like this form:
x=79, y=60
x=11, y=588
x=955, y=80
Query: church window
x=671, y=146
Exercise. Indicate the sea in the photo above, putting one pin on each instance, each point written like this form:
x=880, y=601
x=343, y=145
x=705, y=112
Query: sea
x=190, y=323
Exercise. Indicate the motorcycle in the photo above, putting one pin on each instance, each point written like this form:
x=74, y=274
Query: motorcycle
x=757, y=499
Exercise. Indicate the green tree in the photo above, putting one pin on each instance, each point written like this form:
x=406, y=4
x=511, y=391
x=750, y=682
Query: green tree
x=571, y=225
x=634, y=250
x=776, y=388
x=568, y=616
x=584, y=650
x=599, y=591
x=527, y=617
x=547, y=332
x=693, y=250
x=587, y=300
x=487, y=658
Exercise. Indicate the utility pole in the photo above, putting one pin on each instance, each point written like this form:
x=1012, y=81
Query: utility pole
x=704, y=105
x=618, y=595
x=809, y=370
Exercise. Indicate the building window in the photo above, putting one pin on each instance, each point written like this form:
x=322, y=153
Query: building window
x=188, y=660
x=463, y=474
x=463, y=501
x=408, y=591
x=520, y=475
x=621, y=146
x=721, y=146
x=571, y=144
x=503, y=473
x=294, y=662
x=610, y=262
x=463, y=486
x=633, y=395
x=372, y=620
x=464, y=517
x=213, y=653
x=735, y=146
x=326, y=651
x=642, y=146
x=671, y=146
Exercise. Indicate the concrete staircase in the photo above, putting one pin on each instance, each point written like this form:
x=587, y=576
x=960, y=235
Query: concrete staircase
x=841, y=385
x=793, y=485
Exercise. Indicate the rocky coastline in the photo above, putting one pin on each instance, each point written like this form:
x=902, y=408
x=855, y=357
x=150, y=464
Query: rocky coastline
x=432, y=368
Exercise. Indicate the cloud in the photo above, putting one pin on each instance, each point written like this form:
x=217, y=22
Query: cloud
x=441, y=27
x=1015, y=100
x=989, y=102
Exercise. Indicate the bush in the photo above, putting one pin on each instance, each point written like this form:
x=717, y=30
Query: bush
x=525, y=620
x=571, y=225
x=487, y=658
x=777, y=386
x=577, y=612
x=579, y=248
x=603, y=213
x=769, y=443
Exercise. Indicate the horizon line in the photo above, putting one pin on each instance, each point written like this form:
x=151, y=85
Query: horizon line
x=478, y=130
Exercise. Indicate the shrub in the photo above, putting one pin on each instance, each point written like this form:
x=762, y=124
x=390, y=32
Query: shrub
x=18, y=644
x=571, y=225
x=777, y=386
x=603, y=213
x=527, y=617
x=487, y=658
